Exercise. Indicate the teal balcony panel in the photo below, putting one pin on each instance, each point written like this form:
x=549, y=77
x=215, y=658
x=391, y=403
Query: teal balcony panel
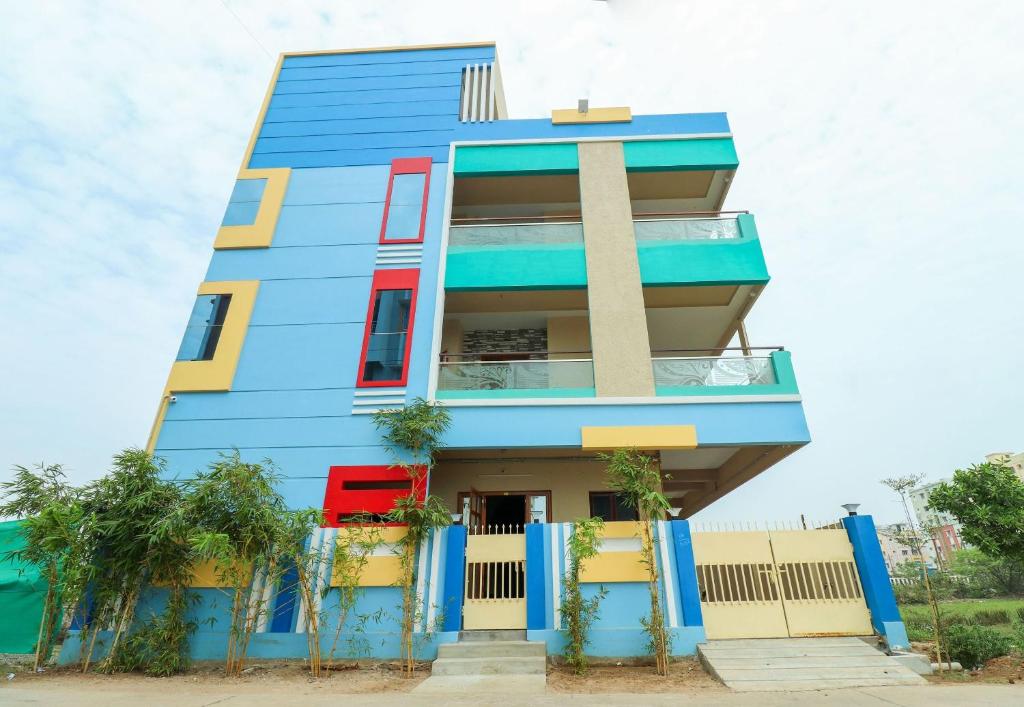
x=667, y=155
x=526, y=267
x=673, y=253
x=505, y=160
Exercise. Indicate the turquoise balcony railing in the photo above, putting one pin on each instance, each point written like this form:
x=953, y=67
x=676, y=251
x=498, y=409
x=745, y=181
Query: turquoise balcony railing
x=566, y=377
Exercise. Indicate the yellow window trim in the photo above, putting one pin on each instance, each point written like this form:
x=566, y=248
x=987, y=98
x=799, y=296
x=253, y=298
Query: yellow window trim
x=571, y=116
x=260, y=233
x=639, y=437
x=217, y=374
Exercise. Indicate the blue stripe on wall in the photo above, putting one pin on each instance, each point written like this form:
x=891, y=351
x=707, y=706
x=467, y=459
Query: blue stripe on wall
x=376, y=83
x=535, y=576
x=405, y=56
x=306, y=114
x=306, y=73
x=284, y=602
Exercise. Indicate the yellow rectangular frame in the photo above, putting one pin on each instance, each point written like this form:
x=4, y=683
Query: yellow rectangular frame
x=379, y=570
x=217, y=374
x=260, y=233
x=639, y=437
x=571, y=116
x=616, y=566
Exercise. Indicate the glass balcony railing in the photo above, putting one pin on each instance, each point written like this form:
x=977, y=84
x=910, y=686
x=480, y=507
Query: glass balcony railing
x=547, y=374
x=712, y=371
x=515, y=232
x=683, y=227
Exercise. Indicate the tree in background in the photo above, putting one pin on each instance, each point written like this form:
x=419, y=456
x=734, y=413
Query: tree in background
x=988, y=501
x=901, y=486
x=987, y=575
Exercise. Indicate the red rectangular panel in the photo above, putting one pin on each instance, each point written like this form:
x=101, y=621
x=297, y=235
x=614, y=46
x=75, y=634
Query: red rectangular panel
x=406, y=279
x=350, y=490
x=407, y=165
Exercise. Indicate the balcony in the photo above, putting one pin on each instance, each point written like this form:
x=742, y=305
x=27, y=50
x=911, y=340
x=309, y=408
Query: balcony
x=514, y=231
x=699, y=248
x=752, y=371
x=534, y=375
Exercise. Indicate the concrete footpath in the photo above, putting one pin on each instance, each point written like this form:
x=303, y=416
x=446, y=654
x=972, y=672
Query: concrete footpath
x=908, y=696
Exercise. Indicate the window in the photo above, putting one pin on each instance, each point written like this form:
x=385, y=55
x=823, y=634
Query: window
x=204, y=328
x=386, y=342
x=368, y=492
x=244, y=203
x=405, y=207
x=610, y=506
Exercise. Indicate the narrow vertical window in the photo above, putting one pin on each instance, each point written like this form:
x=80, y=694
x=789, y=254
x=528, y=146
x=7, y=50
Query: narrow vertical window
x=244, y=204
x=388, y=336
x=204, y=328
x=405, y=207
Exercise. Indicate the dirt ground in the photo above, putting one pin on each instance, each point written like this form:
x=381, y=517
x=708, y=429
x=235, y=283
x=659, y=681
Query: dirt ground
x=366, y=677
x=1007, y=669
x=685, y=675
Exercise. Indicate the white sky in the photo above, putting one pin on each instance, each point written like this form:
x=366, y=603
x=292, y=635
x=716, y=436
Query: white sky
x=879, y=146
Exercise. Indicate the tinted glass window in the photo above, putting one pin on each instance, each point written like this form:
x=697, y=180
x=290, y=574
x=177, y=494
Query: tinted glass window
x=385, y=351
x=406, y=206
x=244, y=203
x=204, y=328
x=601, y=506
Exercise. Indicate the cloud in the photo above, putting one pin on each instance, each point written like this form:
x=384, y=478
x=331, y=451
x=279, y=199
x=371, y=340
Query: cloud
x=879, y=144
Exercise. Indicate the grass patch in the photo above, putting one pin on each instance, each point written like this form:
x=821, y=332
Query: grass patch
x=996, y=613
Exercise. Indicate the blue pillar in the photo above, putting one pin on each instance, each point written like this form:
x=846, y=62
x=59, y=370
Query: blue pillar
x=454, y=571
x=535, y=583
x=874, y=578
x=686, y=572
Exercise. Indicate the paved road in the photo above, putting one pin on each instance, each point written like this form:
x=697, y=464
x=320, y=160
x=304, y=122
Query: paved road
x=12, y=695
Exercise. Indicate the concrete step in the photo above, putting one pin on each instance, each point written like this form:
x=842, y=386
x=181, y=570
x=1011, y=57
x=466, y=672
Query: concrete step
x=491, y=686
x=533, y=665
x=802, y=664
x=493, y=635
x=492, y=649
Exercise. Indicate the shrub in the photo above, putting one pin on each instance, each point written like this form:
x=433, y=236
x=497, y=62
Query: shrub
x=973, y=646
x=919, y=628
x=1020, y=614
x=992, y=617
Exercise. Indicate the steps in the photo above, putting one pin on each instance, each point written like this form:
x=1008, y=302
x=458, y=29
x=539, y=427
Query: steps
x=499, y=662
x=777, y=664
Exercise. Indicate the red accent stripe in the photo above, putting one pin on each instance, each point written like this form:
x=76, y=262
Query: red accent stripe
x=407, y=165
x=405, y=279
x=339, y=501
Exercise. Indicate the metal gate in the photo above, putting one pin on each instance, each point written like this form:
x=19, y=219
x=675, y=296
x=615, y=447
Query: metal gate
x=769, y=584
x=495, y=582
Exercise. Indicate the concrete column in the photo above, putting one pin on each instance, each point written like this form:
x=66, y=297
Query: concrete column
x=618, y=322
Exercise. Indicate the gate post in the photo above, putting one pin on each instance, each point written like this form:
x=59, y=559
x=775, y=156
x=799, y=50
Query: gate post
x=874, y=578
x=686, y=570
x=454, y=578
x=535, y=579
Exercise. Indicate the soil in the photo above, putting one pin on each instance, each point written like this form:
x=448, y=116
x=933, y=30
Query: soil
x=260, y=676
x=685, y=675
x=1007, y=669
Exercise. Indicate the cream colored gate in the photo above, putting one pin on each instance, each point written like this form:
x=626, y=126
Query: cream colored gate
x=779, y=583
x=495, y=582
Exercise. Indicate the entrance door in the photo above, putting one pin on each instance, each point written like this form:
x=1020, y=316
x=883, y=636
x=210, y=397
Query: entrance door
x=503, y=512
x=778, y=584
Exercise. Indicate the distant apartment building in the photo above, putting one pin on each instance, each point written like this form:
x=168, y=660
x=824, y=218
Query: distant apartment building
x=1014, y=461
x=943, y=527
x=897, y=550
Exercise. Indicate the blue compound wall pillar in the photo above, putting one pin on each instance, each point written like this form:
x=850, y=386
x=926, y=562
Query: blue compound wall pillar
x=454, y=569
x=874, y=578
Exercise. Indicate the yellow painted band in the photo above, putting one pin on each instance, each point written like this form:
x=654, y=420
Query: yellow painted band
x=614, y=567
x=569, y=116
x=639, y=437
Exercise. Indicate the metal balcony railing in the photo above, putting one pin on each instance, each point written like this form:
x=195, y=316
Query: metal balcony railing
x=687, y=226
x=469, y=372
x=516, y=230
x=677, y=369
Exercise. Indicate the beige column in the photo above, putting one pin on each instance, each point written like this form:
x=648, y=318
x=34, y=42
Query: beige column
x=618, y=322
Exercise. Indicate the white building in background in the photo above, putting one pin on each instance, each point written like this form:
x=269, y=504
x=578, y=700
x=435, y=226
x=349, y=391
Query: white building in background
x=897, y=551
x=1014, y=461
x=944, y=528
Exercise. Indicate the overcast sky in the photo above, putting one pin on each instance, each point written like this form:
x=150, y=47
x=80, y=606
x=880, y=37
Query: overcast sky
x=880, y=146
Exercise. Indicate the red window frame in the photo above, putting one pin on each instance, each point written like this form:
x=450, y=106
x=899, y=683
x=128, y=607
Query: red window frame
x=404, y=279
x=407, y=165
x=340, y=501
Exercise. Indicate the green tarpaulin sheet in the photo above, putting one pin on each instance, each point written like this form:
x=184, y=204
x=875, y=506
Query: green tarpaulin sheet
x=22, y=594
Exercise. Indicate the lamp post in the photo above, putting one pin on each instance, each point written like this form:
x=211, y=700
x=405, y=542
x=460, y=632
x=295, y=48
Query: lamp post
x=851, y=508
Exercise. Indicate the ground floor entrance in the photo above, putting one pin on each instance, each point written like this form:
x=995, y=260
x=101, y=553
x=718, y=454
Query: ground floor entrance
x=495, y=580
x=776, y=584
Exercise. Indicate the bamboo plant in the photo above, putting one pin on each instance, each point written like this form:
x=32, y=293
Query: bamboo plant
x=637, y=478
x=579, y=613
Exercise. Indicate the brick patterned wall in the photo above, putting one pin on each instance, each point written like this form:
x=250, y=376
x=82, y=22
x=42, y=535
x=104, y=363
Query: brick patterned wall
x=504, y=340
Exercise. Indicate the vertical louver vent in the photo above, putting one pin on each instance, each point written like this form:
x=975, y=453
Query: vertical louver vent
x=481, y=99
